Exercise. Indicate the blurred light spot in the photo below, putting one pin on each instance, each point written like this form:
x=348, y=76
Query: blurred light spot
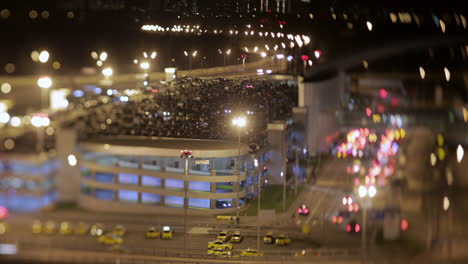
x=35, y=55
x=4, y=118
x=440, y=140
x=94, y=55
x=9, y=144
x=70, y=15
x=56, y=65
x=103, y=56
x=45, y=14
x=365, y=64
x=10, y=68
x=442, y=25
x=72, y=160
x=33, y=14
x=369, y=25
x=44, y=56
x=433, y=159
x=460, y=153
x=357, y=228
x=422, y=73
x=44, y=82
x=50, y=131
x=404, y=224
x=5, y=88
x=99, y=63
x=447, y=74
x=15, y=121
x=5, y=13
x=446, y=203
x=393, y=17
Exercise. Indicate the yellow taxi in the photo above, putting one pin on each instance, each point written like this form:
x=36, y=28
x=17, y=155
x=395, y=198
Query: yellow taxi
x=251, y=252
x=81, y=228
x=66, y=228
x=224, y=236
x=219, y=244
x=282, y=240
x=152, y=233
x=36, y=227
x=219, y=252
x=119, y=230
x=3, y=228
x=237, y=237
x=49, y=227
x=166, y=232
x=96, y=230
x=110, y=239
x=269, y=238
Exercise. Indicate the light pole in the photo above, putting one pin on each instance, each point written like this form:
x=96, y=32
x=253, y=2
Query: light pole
x=366, y=194
x=240, y=122
x=258, y=208
x=192, y=54
x=244, y=56
x=44, y=82
x=224, y=53
x=145, y=64
x=186, y=154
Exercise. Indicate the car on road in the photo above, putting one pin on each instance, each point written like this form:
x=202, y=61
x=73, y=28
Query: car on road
x=119, y=230
x=353, y=227
x=65, y=228
x=167, y=232
x=219, y=244
x=303, y=210
x=224, y=236
x=96, y=230
x=81, y=228
x=49, y=227
x=219, y=252
x=269, y=238
x=152, y=232
x=110, y=239
x=251, y=252
x=36, y=227
x=237, y=237
x=282, y=240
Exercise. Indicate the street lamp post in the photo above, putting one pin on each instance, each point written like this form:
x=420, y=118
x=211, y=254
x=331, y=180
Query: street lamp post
x=190, y=55
x=239, y=122
x=258, y=211
x=366, y=194
x=186, y=154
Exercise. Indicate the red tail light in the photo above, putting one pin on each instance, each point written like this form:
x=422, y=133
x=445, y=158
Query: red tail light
x=348, y=228
x=357, y=228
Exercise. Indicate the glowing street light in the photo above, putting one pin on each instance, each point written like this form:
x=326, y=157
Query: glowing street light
x=369, y=25
x=44, y=82
x=103, y=56
x=145, y=65
x=362, y=191
x=372, y=191
x=240, y=122
x=44, y=56
x=72, y=161
x=107, y=72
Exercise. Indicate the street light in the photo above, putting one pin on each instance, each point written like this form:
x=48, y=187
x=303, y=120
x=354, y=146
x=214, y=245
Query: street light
x=44, y=56
x=192, y=54
x=107, y=72
x=186, y=154
x=44, y=82
x=145, y=65
x=224, y=53
x=240, y=122
x=460, y=153
x=365, y=204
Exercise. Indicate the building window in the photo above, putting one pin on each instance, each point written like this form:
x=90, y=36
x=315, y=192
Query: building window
x=126, y=178
x=150, y=181
x=199, y=203
x=128, y=196
x=174, y=184
x=199, y=186
x=104, y=194
x=106, y=177
x=174, y=201
x=149, y=198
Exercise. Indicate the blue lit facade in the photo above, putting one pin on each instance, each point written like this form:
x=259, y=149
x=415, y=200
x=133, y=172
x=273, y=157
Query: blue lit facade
x=27, y=183
x=156, y=182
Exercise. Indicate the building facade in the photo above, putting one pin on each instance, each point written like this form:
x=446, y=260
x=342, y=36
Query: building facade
x=149, y=175
x=27, y=181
